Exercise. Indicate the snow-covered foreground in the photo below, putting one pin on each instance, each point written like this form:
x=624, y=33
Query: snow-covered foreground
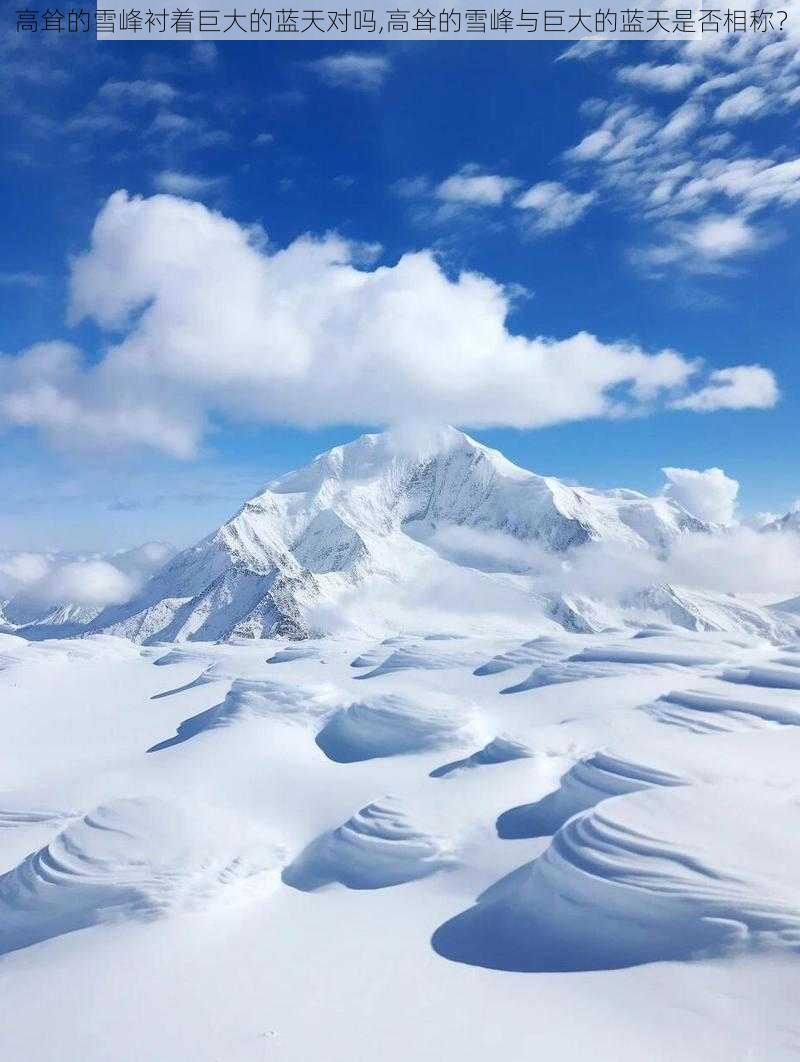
x=580, y=845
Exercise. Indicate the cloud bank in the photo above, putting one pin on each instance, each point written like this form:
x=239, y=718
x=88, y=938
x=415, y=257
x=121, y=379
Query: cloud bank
x=709, y=495
x=205, y=319
x=36, y=582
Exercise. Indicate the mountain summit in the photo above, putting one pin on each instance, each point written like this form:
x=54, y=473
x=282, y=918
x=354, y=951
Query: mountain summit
x=370, y=512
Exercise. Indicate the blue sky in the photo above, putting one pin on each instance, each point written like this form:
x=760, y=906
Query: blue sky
x=630, y=194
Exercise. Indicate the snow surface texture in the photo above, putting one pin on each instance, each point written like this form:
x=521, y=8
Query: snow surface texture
x=581, y=856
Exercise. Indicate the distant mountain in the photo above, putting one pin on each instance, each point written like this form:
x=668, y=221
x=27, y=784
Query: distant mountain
x=368, y=513
x=789, y=522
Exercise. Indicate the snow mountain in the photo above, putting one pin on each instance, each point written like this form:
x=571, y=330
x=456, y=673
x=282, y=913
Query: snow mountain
x=370, y=513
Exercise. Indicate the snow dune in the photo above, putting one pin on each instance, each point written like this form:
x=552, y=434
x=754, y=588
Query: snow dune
x=587, y=783
x=131, y=858
x=668, y=873
x=704, y=712
x=533, y=652
x=390, y=724
x=253, y=698
x=380, y=845
x=421, y=657
x=561, y=673
x=501, y=749
x=782, y=678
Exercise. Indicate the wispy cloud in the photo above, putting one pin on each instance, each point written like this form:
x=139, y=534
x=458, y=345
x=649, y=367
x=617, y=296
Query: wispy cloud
x=190, y=185
x=552, y=206
x=664, y=77
x=137, y=92
x=701, y=197
x=357, y=70
x=470, y=186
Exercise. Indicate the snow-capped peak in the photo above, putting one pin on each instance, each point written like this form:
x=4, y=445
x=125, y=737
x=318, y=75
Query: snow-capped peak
x=367, y=511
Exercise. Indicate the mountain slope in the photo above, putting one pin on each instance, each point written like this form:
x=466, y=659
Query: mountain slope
x=365, y=513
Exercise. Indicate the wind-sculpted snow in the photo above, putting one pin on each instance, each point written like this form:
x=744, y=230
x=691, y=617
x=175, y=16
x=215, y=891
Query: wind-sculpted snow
x=390, y=725
x=290, y=653
x=669, y=873
x=677, y=845
x=587, y=783
x=257, y=698
x=501, y=749
x=380, y=845
x=536, y=651
x=625, y=654
x=703, y=712
x=421, y=657
x=132, y=858
x=564, y=672
x=605, y=661
x=11, y=818
x=781, y=678
x=378, y=653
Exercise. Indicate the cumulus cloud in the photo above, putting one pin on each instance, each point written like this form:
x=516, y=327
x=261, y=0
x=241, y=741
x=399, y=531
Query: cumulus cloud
x=709, y=495
x=358, y=70
x=552, y=206
x=740, y=387
x=206, y=319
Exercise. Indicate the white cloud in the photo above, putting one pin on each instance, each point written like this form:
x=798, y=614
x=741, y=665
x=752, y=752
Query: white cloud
x=553, y=206
x=668, y=77
x=21, y=569
x=709, y=495
x=592, y=146
x=364, y=71
x=469, y=186
x=721, y=237
x=703, y=246
x=92, y=582
x=207, y=321
x=588, y=49
x=263, y=140
x=740, y=387
x=36, y=582
x=747, y=103
x=742, y=560
x=673, y=168
x=185, y=184
x=137, y=92
x=204, y=54
x=683, y=121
